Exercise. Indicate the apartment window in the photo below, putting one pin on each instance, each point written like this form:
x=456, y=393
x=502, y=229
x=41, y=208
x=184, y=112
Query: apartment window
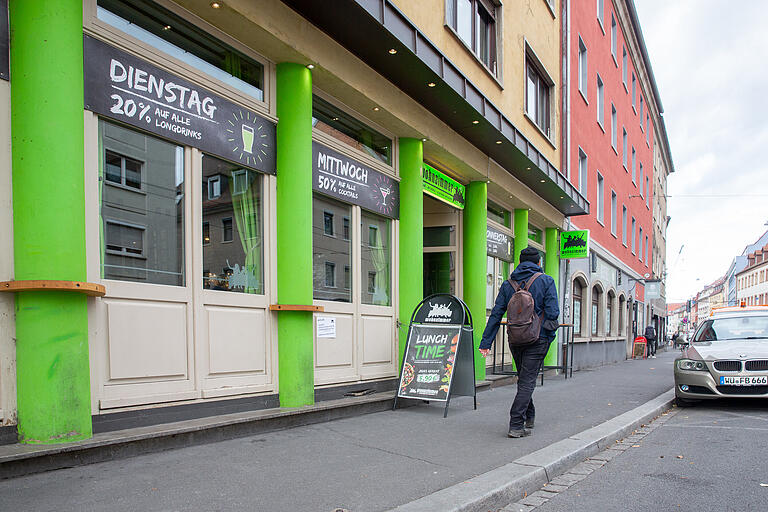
x=330, y=274
x=613, y=36
x=206, y=233
x=123, y=239
x=595, y=310
x=474, y=21
x=614, y=128
x=634, y=89
x=600, y=101
x=624, y=65
x=346, y=129
x=600, y=11
x=645, y=250
x=345, y=228
x=226, y=229
x=328, y=223
x=642, y=192
x=600, y=199
x=537, y=97
x=634, y=160
x=577, y=302
x=647, y=191
x=582, y=68
x=624, y=225
x=613, y=213
x=647, y=124
x=582, y=172
x=624, y=146
x=122, y=170
x=641, y=112
x=147, y=22
x=634, y=239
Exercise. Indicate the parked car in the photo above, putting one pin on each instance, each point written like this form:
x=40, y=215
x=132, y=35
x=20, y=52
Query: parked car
x=727, y=357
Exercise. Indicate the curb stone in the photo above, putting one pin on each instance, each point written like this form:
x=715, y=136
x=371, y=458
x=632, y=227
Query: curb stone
x=503, y=486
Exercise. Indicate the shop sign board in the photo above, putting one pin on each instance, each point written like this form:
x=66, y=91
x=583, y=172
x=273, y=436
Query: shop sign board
x=348, y=180
x=500, y=245
x=5, y=42
x=439, y=355
x=443, y=187
x=128, y=89
x=574, y=244
x=652, y=289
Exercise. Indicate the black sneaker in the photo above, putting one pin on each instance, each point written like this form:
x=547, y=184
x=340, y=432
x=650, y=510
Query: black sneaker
x=515, y=433
x=529, y=423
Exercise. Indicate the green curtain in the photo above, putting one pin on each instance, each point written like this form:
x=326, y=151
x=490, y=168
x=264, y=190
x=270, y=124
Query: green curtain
x=245, y=204
x=380, y=262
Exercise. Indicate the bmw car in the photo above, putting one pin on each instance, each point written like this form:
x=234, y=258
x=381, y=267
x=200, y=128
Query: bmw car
x=727, y=357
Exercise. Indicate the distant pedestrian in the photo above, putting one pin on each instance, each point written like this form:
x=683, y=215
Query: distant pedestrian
x=650, y=335
x=528, y=358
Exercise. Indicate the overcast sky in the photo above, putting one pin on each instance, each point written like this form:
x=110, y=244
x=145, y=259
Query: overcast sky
x=710, y=60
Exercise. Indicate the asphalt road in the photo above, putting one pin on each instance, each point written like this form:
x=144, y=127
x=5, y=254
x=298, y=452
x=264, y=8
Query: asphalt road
x=373, y=462
x=711, y=457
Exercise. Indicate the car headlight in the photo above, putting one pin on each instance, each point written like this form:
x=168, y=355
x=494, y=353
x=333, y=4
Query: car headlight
x=691, y=365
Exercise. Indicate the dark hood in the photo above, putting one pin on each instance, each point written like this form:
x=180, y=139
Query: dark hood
x=525, y=270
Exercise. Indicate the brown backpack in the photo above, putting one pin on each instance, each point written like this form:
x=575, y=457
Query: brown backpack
x=523, y=324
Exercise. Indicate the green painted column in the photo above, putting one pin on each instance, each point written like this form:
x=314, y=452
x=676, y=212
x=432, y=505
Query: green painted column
x=521, y=233
x=52, y=366
x=552, y=268
x=411, y=235
x=475, y=254
x=294, y=234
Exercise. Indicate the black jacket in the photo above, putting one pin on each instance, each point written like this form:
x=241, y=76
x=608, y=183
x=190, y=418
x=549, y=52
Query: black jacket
x=544, y=299
x=650, y=333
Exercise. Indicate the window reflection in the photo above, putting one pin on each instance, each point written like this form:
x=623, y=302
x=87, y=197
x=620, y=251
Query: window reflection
x=376, y=259
x=330, y=251
x=233, y=253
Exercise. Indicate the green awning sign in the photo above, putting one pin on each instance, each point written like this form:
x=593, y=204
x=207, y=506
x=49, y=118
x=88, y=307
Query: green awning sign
x=442, y=187
x=574, y=244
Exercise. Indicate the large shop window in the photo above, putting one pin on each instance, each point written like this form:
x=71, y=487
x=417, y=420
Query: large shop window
x=173, y=35
x=333, y=121
x=596, y=297
x=233, y=255
x=142, y=207
x=376, y=258
x=330, y=251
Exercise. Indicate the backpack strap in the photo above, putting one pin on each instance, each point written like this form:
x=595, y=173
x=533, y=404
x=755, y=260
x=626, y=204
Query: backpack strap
x=531, y=280
x=515, y=285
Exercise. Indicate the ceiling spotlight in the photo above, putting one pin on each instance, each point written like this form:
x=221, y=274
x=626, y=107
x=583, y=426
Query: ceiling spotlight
x=527, y=168
x=215, y=5
x=431, y=84
x=543, y=181
x=167, y=27
x=562, y=197
x=375, y=109
x=335, y=118
x=424, y=140
x=310, y=66
x=392, y=51
x=475, y=122
x=498, y=142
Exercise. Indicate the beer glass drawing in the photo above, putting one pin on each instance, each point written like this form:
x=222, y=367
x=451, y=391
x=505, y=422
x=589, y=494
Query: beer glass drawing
x=247, y=132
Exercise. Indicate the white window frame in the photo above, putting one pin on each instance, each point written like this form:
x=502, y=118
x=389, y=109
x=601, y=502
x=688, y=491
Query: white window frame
x=614, y=128
x=601, y=14
x=634, y=166
x=614, y=201
x=624, y=66
x=600, y=198
x=583, y=172
x=613, y=39
x=583, y=69
x=624, y=147
x=600, y=101
x=624, y=214
x=634, y=236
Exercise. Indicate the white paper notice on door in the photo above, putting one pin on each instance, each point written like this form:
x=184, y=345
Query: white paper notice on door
x=326, y=327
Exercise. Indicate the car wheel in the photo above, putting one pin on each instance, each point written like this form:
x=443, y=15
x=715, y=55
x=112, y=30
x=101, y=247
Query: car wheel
x=683, y=402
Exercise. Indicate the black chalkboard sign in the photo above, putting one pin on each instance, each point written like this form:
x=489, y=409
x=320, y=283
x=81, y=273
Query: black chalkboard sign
x=439, y=356
x=5, y=41
x=123, y=87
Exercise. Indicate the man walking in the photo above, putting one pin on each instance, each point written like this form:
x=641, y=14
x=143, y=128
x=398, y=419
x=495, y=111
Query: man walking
x=528, y=358
x=650, y=336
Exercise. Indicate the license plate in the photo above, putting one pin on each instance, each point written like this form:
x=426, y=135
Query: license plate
x=753, y=380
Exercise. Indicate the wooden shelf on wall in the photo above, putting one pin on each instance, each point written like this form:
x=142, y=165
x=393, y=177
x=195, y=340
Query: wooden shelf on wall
x=90, y=289
x=295, y=307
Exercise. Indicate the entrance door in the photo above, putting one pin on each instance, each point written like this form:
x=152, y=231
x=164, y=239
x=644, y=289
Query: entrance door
x=441, y=248
x=496, y=272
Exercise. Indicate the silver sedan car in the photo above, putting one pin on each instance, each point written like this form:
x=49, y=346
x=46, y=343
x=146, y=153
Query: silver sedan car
x=727, y=357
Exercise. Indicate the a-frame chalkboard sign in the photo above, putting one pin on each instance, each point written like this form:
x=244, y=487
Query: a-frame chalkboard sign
x=439, y=357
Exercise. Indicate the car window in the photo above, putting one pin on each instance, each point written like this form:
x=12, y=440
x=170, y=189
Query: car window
x=735, y=328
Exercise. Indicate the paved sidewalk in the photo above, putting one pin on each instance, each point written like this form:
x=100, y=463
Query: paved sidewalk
x=367, y=463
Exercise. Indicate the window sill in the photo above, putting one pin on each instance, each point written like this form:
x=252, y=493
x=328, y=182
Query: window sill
x=615, y=61
x=551, y=9
x=614, y=235
x=600, y=22
x=625, y=168
x=482, y=64
x=125, y=187
x=626, y=89
x=615, y=150
x=129, y=255
x=634, y=109
x=543, y=134
x=584, y=96
x=601, y=126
